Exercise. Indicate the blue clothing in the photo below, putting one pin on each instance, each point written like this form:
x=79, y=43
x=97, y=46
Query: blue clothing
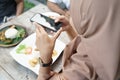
x=7, y=8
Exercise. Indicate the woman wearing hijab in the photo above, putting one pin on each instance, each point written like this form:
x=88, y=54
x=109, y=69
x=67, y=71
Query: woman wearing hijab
x=94, y=53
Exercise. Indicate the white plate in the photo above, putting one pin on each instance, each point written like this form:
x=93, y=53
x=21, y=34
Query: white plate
x=23, y=59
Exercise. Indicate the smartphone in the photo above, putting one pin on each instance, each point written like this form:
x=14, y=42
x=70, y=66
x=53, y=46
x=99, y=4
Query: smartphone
x=46, y=21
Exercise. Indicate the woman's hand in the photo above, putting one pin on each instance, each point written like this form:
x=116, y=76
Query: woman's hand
x=44, y=43
x=68, y=26
x=65, y=22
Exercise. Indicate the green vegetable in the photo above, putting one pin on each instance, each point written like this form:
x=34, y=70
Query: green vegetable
x=20, y=33
x=21, y=48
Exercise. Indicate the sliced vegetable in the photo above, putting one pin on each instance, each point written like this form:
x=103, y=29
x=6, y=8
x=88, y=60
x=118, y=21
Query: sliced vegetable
x=28, y=50
x=24, y=49
x=21, y=48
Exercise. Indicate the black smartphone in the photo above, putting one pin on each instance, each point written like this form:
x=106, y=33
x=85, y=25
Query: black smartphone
x=46, y=21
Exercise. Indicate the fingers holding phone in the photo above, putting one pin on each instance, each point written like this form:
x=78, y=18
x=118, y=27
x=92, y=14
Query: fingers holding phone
x=46, y=21
x=65, y=22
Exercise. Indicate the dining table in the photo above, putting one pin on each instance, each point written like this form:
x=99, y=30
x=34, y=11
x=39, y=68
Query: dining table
x=12, y=70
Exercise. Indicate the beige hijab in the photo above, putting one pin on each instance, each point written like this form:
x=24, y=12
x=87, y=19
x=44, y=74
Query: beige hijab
x=95, y=53
x=98, y=23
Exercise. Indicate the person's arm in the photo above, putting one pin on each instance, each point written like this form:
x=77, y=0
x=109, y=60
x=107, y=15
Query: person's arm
x=72, y=33
x=19, y=7
x=45, y=45
x=55, y=7
x=67, y=14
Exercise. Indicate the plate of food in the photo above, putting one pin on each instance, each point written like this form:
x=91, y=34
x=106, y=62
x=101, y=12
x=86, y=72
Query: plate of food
x=11, y=35
x=26, y=54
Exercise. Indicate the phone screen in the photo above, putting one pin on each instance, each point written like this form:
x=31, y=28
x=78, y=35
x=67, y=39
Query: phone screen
x=46, y=21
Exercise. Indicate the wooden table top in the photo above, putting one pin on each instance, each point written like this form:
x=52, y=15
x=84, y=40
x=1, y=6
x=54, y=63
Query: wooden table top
x=9, y=68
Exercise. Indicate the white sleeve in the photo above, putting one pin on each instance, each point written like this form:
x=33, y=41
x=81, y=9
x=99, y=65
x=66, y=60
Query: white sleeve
x=54, y=1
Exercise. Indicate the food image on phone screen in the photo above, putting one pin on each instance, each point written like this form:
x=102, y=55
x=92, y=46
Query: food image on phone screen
x=46, y=21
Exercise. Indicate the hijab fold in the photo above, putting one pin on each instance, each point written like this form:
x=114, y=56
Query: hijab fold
x=98, y=23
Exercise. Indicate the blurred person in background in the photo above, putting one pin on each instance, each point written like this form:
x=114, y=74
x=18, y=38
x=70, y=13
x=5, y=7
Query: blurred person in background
x=9, y=9
x=59, y=6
